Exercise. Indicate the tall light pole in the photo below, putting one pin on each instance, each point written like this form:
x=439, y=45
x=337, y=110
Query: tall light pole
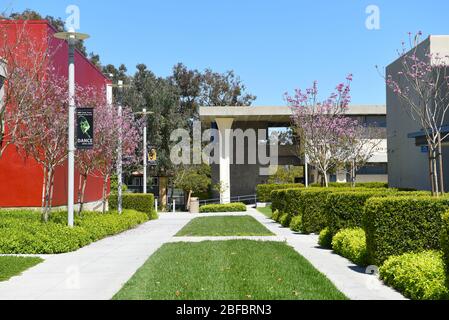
x=119, y=149
x=145, y=148
x=145, y=153
x=72, y=38
x=306, y=170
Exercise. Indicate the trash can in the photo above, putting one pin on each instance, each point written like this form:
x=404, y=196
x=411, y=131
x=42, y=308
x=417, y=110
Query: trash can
x=194, y=205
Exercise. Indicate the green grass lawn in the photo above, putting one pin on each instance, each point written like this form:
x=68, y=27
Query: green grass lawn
x=13, y=266
x=228, y=270
x=266, y=211
x=224, y=226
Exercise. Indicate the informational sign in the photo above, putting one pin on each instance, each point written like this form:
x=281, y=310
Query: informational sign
x=424, y=149
x=84, y=128
x=152, y=156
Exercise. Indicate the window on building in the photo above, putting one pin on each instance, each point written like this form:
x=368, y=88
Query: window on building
x=375, y=121
x=374, y=169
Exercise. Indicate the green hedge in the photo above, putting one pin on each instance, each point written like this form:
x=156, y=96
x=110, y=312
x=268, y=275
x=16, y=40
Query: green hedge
x=230, y=207
x=313, y=204
x=351, y=244
x=345, y=209
x=276, y=216
x=445, y=243
x=264, y=190
x=398, y=225
x=325, y=239
x=296, y=224
x=22, y=232
x=419, y=276
x=135, y=201
x=287, y=201
x=285, y=220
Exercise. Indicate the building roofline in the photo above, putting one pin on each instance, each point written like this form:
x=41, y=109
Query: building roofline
x=275, y=114
x=50, y=26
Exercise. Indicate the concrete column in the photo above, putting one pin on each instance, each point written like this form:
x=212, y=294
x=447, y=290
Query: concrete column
x=224, y=127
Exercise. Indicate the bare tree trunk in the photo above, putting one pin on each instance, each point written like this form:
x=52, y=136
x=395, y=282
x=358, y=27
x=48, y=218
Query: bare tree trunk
x=46, y=209
x=326, y=179
x=440, y=160
x=432, y=183
x=435, y=171
x=105, y=187
x=44, y=184
x=52, y=187
x=79, y=192
x=353, y=174
x=82, y=192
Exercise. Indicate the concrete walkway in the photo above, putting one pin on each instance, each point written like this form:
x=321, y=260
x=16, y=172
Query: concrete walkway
x=98, y=271
x=355, y=282
x=95, y=272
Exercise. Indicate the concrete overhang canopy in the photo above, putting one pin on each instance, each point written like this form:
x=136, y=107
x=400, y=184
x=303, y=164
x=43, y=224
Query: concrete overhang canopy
x=274, y=114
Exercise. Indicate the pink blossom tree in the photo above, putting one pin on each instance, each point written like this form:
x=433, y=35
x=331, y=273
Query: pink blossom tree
x=24, y=62
x=107, y=142
x=42, y=134
x=422, y=86
x=322, y=127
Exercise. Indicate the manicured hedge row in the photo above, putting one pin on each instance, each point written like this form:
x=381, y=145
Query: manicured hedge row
x=419, y=276
x=346, y=209
x=135, y=201
x=287, y=201
x=231, y=207
x=398, y=225
x=22, y=232
x=314, y=209
x=445, y=244
x=264, y=190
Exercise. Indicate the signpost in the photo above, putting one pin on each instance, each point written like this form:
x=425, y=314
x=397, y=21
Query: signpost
x=84, y=128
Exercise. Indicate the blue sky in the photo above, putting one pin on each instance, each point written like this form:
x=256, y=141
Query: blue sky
x=273, y=45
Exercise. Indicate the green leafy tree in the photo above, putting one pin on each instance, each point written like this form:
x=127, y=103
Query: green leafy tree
x=285, y=175
x=193, y=180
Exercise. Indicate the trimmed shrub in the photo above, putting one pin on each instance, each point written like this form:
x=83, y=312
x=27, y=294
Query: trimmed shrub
x=276, y=215
x=325, y=239
x=229, y=207
x=345, y=209
x=398, y=225
x=264, y=190
x=445, y=243
x=287, y=201
x=22, y=232
x=285, y=220
x=351, y=244
x=296, y=224
x=313, y=204
x=419, y=276
x=135, y=201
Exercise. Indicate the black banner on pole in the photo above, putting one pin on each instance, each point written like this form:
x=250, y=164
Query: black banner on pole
x=84, y=128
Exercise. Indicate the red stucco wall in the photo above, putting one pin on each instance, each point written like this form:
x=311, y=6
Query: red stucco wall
x=21, y=179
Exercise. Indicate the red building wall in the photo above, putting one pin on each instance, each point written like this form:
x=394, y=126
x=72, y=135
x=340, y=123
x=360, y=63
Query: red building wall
x=21, y=179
